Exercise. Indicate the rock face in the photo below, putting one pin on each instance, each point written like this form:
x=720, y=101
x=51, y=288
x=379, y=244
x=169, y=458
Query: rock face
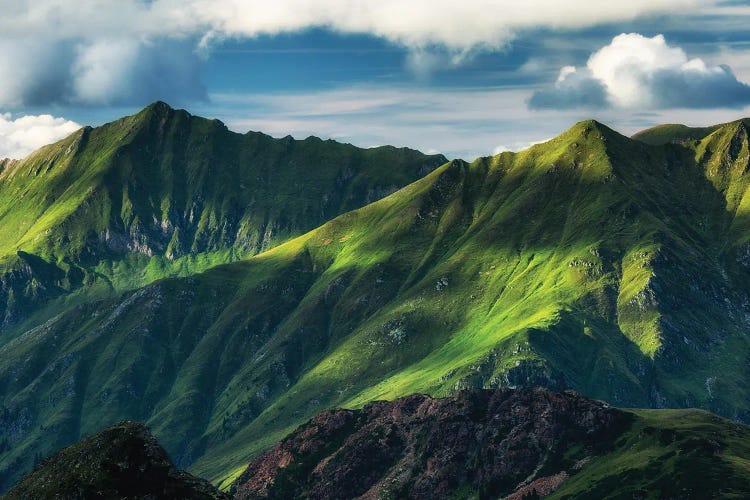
x=123, y=461
x=488, y=443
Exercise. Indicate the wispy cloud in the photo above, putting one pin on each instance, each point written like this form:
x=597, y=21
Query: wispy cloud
x=464, y=122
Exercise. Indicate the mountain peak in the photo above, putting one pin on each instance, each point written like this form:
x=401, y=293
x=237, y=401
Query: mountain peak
x=161, y=111
x=159, y=106
x=594, y=129
x=590, y=132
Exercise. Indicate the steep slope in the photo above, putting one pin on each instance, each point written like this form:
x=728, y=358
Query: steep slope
x=165, y=193
x=592, y=262
x=504, y=444
x=123, y=461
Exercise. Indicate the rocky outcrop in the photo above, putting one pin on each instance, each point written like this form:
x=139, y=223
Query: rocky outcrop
x=489, y=443
x=123, y=461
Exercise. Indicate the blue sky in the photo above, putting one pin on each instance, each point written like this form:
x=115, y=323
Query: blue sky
x=465, y=78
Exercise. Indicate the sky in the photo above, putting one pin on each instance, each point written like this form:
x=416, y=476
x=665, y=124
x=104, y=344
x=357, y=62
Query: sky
x=465, y=78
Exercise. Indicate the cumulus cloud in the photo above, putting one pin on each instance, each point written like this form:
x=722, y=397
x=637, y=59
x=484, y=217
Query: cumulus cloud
x=95, y=51
x=21, y=136
x=637, y=72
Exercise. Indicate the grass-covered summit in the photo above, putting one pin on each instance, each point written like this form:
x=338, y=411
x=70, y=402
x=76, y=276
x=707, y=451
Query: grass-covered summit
x=165, y=193
x=593, y=261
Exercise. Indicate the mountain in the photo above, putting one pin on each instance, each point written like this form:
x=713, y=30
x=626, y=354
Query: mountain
x=504, y=443
x=123, y=461
x=673, y=134
x=164, y=193
x=593, y=262
x=501, y=443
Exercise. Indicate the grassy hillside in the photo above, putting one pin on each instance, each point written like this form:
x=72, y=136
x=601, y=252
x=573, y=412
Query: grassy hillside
x=673, y=134
x=669, y=454
x=592, y=261
x=163, y=193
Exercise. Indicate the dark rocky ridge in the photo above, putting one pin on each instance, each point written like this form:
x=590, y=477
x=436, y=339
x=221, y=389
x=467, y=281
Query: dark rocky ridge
x=489, y=443
x=123, y=461
x=515, y=444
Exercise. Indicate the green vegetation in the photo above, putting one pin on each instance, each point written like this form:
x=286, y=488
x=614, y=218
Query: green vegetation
x=162, y=193
x=669, y=454
x=673, y=133
x=592, y=261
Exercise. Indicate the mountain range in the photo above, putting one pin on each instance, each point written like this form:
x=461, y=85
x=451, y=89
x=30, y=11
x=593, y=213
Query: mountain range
x=163, y=193
x=226, y=288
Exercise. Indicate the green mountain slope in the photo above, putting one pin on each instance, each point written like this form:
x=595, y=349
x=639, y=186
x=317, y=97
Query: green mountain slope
x=164, y=193
x=673, y=133
x=592, y=261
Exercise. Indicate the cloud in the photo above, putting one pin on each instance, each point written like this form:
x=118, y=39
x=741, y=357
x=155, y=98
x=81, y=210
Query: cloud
x=100, y=71
x=21, y=136
x=460, y=26
x=130, y=51
x=573, y=89
x=636, y=72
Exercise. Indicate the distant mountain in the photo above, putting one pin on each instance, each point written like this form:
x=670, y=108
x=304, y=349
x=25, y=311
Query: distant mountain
x=673, y=134
x=123, y=462
x=503, y=443
x=593, y=262
x=164, y=193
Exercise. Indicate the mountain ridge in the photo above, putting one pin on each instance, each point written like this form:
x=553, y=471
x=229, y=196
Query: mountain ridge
x=503, y=443
x=592, y=262
x=163, y=193
x=499, y=443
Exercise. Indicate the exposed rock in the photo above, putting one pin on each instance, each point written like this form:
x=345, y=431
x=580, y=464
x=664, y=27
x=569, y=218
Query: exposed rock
x=489, y=442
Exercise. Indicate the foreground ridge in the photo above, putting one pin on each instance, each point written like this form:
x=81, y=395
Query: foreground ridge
x=485, y=443
x=504, y=443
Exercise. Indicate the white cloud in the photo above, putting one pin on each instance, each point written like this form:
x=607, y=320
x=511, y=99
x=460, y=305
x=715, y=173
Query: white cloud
x=635, y=71
x=740, y=57
x=21, y=136
x=93, y=51
x=102, y=70
x=416, y=23
x=461, y=26
x=627, y=65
